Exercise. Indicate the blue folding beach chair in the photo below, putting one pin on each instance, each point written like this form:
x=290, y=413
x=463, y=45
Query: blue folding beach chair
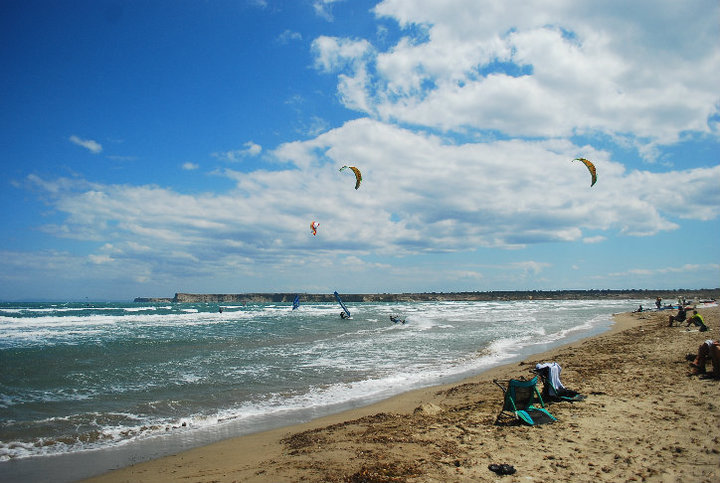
x=519, y=400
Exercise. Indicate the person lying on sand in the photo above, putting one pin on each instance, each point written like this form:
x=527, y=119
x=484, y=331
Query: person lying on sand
x=710, y=349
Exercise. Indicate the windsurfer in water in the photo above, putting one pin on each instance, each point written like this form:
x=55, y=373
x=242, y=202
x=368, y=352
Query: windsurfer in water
x=395, y=319
x=343, y=315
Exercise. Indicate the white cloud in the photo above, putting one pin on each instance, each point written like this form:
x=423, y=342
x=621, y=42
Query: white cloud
x=190, y=166
x=653, y=272
x=98, y=259
x=92, y=146
x=420, y=194
x=530, y=267
x=333, y=54
x=250, y=149
x=540, y=69
x=323, y=8
x=289, y=36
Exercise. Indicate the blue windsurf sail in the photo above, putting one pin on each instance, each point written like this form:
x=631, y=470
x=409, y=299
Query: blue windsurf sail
x=342, y=304
x=296, y=302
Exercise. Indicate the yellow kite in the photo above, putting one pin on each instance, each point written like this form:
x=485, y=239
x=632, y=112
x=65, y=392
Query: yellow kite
x=590, y=167
x=358, y=176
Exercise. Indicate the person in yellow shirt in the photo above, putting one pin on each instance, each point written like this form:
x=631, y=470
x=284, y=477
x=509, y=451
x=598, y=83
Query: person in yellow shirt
x=698, y=321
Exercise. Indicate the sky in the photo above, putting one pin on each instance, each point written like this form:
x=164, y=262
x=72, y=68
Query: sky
x=154, y=147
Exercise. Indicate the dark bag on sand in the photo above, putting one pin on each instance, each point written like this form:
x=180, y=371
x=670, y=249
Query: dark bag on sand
x=553, y=389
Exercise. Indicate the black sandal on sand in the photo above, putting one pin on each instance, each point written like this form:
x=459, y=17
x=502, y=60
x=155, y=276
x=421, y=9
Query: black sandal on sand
x=710, y=376
x=502, y=469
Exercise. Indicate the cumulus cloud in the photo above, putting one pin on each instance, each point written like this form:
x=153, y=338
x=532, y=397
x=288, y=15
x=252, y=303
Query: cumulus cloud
x=538, y=69
x=422, y=194
x=92, y=146
x=333, y=54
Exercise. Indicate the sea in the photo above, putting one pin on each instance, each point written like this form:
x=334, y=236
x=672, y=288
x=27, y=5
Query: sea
x=89, y=387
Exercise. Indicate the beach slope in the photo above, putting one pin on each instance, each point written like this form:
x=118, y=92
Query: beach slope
x=646, y=418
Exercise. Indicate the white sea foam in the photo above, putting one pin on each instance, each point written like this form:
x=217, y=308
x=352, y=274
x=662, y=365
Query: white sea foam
x=250, y=365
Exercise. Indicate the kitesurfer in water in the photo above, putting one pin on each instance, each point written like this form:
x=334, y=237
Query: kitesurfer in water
x=395, y=319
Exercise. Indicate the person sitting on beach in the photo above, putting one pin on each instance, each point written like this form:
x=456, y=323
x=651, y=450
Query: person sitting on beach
x=680, y=317
x=710, y=349
x=698, y=321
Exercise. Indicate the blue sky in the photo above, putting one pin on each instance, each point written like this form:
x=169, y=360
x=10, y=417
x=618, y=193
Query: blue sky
x=162, y=146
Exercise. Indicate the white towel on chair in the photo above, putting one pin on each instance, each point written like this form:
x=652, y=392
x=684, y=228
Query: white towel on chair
x=554, y=370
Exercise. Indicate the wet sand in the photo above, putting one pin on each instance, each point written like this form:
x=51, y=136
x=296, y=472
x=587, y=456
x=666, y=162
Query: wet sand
x=645, y=418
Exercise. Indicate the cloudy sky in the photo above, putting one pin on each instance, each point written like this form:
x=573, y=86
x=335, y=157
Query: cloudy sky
x=156, y=147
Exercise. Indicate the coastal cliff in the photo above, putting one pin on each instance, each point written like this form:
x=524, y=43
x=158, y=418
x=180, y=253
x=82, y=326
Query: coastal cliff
x=667, y=295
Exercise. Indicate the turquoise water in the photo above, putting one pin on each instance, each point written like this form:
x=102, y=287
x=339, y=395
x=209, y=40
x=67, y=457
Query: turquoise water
x=85, y=377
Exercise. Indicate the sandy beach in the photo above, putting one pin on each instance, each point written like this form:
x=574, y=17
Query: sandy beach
x=645, y=418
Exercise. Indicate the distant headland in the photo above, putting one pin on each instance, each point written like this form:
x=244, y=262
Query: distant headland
x=240, y=298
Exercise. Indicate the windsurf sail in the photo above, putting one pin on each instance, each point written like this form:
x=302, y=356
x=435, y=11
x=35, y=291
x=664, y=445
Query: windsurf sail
x=296, y=302
x=337, y=297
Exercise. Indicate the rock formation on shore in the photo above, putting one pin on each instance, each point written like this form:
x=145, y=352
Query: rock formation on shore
x=669, y=296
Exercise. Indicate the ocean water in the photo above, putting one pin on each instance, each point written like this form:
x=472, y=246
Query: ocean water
x=124, y=382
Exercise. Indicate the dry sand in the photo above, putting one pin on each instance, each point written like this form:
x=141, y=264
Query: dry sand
x=645, y=419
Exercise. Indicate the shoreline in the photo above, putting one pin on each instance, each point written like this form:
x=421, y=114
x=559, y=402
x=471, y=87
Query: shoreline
x=447, y=433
